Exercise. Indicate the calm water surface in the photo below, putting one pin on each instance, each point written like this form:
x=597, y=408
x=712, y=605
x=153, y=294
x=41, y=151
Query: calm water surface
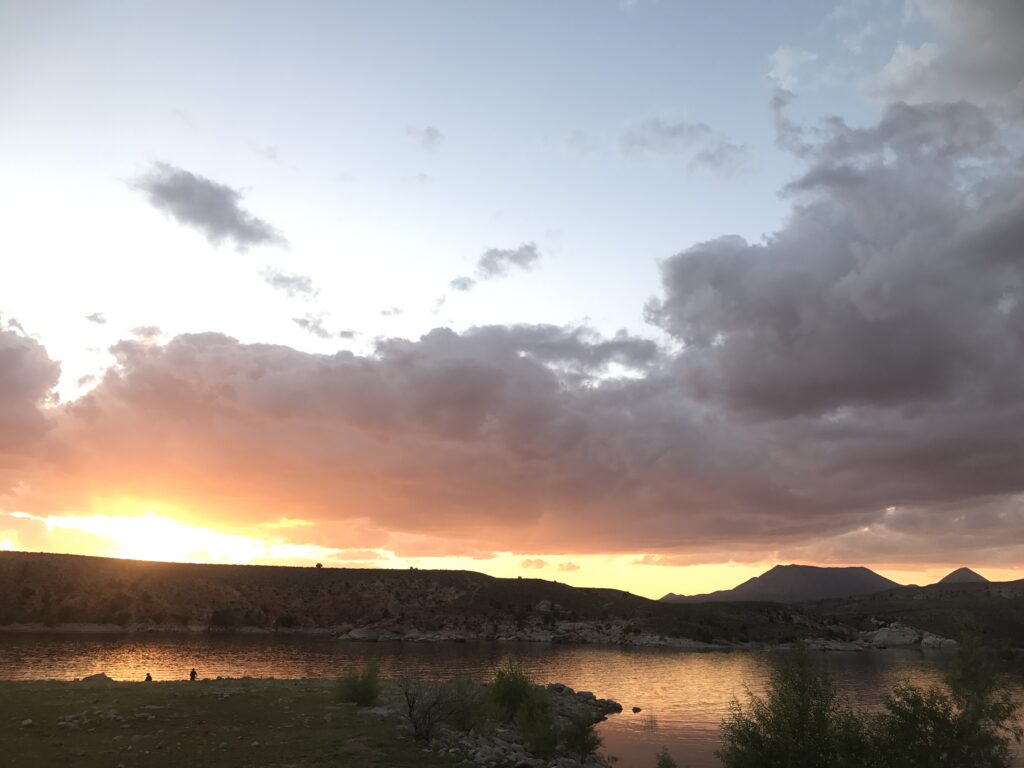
x=684, y=696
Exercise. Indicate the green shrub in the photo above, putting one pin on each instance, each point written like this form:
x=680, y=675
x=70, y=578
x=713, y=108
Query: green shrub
x=579, y=736
x=471, y=708
x=801, y=723
x=511, y=688
x=360, y=688
x=971, y=726
x=665, y=760
x=536, y=723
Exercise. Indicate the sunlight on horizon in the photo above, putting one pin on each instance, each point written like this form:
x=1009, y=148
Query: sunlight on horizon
x=146, y=530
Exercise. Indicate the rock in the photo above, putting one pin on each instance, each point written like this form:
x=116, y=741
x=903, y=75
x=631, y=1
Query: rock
x=544, y=606
x=895, y=635
x=99, y=677
x=636, y=709
x=27, y=723
x=362, y=634
x=254, y=744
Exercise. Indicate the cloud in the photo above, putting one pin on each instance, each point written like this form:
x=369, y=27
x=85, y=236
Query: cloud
x=314, y=325
x=27, y=380
x=209, y=207
x=705, y=147
x=568, y=567
x=462, y=284
x=427, y=137
x=147, y=332
x=850, y=304
x=979, y=56
x=495, y=263
x=291, y=284
x=534, y=563
x=391, y=312
x=787, y=65
x=848, y=388
x=97, y=317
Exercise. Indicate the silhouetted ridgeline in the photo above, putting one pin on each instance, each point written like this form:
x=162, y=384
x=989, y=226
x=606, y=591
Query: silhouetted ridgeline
x=75, y=592
x=797, y=584
x=61, y=590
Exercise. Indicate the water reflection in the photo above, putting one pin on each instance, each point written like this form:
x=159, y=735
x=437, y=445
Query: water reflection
x=683, y=697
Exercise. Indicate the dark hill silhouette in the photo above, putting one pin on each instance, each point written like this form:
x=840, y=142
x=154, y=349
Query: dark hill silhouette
x=69, y=590
x=962, y=576
x=796, y=584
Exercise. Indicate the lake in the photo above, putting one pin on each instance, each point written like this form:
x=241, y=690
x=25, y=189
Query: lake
x=683, y=696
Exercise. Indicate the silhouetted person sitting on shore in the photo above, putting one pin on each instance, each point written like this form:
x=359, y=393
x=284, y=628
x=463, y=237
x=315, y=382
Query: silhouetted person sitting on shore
x=192, y=675
x=149, y=678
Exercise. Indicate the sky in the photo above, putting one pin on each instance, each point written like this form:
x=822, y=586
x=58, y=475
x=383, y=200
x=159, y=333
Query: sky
x=645, y=294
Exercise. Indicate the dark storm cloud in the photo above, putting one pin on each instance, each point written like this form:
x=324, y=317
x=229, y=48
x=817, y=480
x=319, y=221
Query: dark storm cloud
x=705, y=147
x=882, y=289
x=291, y=284
x=211, y=208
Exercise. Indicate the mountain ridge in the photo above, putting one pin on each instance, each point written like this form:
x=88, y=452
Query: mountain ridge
x=963, y=575
x=795, y=583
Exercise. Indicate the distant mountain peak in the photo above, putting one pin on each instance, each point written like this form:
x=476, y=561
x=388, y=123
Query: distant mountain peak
x=797, y=583
x=962, y=576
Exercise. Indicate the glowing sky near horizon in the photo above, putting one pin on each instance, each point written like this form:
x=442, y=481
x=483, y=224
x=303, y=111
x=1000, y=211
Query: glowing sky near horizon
x=642, y=294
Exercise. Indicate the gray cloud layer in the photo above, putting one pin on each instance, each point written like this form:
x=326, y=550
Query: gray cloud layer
x=851, y=389
x=979, y=56
x=211, y=208
x=27, y=378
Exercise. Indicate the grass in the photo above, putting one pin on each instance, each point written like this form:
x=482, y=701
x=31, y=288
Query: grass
x=226, y=723
x=359, y=688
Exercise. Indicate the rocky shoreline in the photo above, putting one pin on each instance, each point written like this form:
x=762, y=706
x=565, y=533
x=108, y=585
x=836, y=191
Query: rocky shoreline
x=881, y=637
x=505, y=747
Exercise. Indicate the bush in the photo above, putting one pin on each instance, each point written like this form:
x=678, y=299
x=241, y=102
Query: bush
x=580, y=738
x=511, y=689
x=971, y=726
x=536, y=723
x=360, y=688
x=802, y=722
x=426, y=706
x=471, y=709
x=665, y=760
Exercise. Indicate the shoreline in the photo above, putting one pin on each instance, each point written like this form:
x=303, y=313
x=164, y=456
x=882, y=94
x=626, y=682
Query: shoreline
x=893, y=636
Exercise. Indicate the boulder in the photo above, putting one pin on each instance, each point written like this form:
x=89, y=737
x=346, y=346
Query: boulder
x=362, y=634
x=99, y=677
